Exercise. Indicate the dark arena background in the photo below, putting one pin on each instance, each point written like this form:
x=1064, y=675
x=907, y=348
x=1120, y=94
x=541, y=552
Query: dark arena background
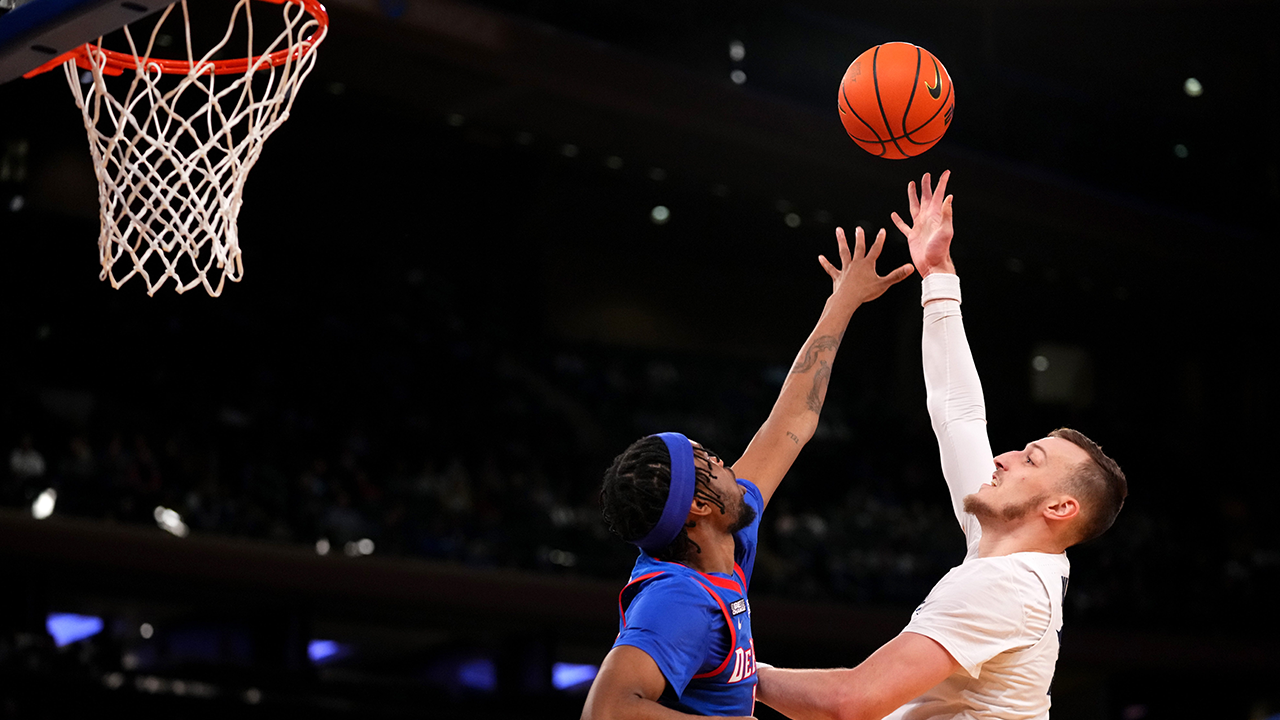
x=498, y=241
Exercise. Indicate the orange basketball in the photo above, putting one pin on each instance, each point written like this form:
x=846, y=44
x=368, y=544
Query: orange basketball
x=896, y=100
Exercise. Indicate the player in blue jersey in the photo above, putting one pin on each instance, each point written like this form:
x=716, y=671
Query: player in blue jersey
x=684, y=645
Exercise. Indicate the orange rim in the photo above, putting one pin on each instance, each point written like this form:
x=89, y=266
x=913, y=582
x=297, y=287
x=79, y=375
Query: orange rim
x=116, y=63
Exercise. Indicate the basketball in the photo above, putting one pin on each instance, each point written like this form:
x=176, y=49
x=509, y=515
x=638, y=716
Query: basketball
x=896, y=100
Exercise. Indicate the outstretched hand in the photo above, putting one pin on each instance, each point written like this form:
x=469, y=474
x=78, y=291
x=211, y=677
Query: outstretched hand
x=856, y=280
x=930, y=232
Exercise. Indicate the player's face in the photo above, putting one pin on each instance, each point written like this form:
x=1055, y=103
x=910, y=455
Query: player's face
x=725, y=482
x=1025, y=480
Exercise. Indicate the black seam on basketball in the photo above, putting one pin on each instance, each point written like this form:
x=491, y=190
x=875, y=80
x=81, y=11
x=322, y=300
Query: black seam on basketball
x=864, y=122
x=941, y=106
x=855, y=138
x=891, y=138
x=927, y=142
x=850, y=111
x=876, y=79
x=912, y=97
x=860, y=139
x=934, y=115
x=865, y=140
x=883, y=147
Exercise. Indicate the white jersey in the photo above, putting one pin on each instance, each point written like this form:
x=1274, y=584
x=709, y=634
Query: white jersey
x=999, y=617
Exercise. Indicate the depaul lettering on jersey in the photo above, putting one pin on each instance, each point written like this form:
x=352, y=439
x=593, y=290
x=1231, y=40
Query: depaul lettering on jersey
x=744, y=663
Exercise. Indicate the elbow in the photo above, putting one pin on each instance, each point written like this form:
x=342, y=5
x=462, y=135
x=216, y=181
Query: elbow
x=850, y=711
x=937, y=409
x=853, y=712
x=853, y=704
x=600, y=705
x=943, y=412
x=798, y=429
x=601, y=711
x=858, y=712
x=805, y=430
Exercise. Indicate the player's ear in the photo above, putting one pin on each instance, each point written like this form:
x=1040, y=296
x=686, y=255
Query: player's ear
x=699, y=508
x=1064, y=507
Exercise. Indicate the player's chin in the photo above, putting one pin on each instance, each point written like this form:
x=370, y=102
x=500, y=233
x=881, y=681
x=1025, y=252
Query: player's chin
x=975, y=505
x=746, y=516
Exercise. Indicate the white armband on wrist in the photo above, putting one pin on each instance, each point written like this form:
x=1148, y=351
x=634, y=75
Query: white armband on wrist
x=939, y=286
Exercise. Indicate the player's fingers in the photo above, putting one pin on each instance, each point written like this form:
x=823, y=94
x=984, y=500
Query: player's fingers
x=831, y=270
x=946, y=209
x=859, y=245
x=901, y=274
x=903, y=226
x=842, y=246
x=876, y=247
x=926, y=190
x=942, y=183
x=913, y=201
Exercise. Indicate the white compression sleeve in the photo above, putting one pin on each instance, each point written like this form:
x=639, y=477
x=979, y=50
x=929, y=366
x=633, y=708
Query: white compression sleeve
x=956, y=407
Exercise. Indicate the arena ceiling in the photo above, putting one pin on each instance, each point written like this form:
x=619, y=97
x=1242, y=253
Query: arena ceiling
x=1070, y=97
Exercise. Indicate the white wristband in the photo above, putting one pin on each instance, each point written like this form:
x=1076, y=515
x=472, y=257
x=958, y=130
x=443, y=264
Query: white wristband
x=940, y=286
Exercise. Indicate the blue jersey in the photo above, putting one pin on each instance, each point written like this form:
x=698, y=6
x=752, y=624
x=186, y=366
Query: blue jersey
x=697, y=626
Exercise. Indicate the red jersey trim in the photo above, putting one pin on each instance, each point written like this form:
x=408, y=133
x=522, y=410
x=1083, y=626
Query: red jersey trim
x=726, y=583
x=733, y=635
x=621, y=612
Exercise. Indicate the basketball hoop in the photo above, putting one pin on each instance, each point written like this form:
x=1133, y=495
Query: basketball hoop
x=174, y=140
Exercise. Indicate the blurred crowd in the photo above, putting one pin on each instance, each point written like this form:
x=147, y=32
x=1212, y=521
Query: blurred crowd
x=496, y=462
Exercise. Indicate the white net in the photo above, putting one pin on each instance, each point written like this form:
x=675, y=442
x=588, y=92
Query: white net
x=172, y=150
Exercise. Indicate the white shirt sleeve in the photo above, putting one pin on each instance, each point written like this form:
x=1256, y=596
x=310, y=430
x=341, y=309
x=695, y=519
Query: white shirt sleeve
x=982, y=609
x=956, y=406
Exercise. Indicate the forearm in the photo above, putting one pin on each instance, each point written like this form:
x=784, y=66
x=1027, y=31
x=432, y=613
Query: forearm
x=900, y=670
x=794, y=417
x=629, y=707
x=804, y=391
x=950, y=375
x=804, y=694
x=628, y=688
x=956, y=406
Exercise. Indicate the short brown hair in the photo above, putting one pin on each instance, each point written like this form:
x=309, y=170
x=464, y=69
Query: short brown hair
x=1099, y=485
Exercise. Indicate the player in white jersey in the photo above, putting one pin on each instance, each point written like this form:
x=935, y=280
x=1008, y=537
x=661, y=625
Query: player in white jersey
x=985, y=641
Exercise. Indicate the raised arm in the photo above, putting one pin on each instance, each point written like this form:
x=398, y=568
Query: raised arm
x=794, y=417
x=955, y=401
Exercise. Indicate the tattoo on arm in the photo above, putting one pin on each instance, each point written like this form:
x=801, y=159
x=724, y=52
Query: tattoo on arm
x=826, y=342
x=794, y=438
x=817, y=393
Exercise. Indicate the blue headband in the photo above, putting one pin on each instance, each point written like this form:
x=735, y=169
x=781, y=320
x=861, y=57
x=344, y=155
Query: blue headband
x=679, y=496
